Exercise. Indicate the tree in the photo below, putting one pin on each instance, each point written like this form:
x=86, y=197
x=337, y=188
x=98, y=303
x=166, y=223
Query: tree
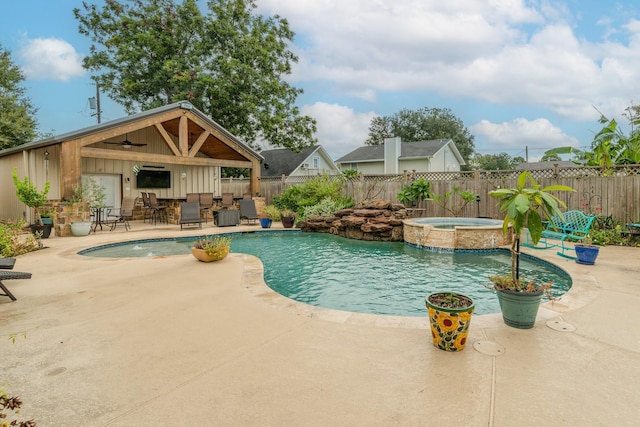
x=17, y=123
x=228, y=63
x=422, y=125
x=501, y=161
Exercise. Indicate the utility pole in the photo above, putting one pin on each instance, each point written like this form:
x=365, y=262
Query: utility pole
x=94, y=103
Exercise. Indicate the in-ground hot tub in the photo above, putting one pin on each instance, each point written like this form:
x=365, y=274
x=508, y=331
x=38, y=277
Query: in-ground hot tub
x=455, y=233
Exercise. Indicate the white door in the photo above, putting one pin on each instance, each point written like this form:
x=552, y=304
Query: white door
x=112, y=184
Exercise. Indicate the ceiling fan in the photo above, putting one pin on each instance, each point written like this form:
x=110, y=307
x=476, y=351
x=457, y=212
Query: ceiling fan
x=126, y=143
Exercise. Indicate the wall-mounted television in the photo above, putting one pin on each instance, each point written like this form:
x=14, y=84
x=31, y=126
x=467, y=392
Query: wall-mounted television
x=153, y=179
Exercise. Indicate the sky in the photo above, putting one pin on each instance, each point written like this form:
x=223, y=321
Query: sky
x=523, y=76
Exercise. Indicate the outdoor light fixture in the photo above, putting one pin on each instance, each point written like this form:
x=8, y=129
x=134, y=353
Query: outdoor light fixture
x=183, y=175
x=46, y=159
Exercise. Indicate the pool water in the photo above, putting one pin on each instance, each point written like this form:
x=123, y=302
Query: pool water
x=354, y=275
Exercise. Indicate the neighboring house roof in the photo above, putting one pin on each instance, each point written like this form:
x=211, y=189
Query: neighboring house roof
x=563, y=164
x=113, y=124
x=283, y=161
x=408, y=150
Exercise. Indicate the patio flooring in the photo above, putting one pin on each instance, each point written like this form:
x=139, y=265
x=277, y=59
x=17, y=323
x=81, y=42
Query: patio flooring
x=172, y=341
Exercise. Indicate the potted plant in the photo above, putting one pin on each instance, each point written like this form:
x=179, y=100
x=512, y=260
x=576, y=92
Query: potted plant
x=271, y=213
x=46, y=215
x=519, y=297
x=88, y=194
x=211, y=248
x=288, y=218
x=29, y=195
x=449, y=317
x=586, y=253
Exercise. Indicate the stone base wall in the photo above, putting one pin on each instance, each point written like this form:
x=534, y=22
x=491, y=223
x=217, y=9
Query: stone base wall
x=376, y=220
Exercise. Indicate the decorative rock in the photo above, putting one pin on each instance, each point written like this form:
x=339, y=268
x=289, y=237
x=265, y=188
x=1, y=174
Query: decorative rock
x=376, y=219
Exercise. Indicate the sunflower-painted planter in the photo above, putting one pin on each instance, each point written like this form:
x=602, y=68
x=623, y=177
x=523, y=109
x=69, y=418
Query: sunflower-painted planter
x=450, y=317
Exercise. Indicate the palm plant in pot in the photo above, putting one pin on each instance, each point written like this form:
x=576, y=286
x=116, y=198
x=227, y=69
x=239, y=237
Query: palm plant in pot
x=524, y=207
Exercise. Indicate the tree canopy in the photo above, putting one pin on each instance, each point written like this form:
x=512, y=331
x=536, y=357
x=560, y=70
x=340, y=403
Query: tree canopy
x=17, y=122
x=422, y=125
x=502, y=161
x=228, y=62
x=610, y=145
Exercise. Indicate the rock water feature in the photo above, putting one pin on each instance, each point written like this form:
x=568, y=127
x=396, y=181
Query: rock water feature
x=375, y=220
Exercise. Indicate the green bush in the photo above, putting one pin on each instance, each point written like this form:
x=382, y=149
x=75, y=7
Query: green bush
x=326, y=207
x=14, y=242
x=312, y=192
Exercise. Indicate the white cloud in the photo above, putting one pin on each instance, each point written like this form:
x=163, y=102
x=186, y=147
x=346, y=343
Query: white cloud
x=51, y=59
x=340, y=129
x=537, y=135
x=505, y=52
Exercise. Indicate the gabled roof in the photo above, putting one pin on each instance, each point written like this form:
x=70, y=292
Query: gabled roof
x=283, y=161
x=113, y=124
x=373, y=153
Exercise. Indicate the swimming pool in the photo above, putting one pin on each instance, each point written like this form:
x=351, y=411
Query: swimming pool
x=359, y=276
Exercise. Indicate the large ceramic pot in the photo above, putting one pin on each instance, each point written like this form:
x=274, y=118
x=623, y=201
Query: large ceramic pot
x=43, y=230
x=449, y=317
x=80, y=228
x=265, y=222
x=202, y=255
x=586, y=254
x=288, y=221
x=519, y=309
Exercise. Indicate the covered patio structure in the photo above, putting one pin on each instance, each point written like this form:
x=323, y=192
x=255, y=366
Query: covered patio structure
x=179, y=145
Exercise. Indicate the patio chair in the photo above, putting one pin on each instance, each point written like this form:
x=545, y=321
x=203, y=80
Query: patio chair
x=7, y=264
x=247, y=196
x=158, y=209
x=148, y=210
x=227, y=200
x=193, y=197
x=123, y=214
x=248, y=211
x=206, y=204
x=190, y=214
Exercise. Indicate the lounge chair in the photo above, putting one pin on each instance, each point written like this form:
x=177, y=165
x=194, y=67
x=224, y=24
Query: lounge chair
x=248, y=211
x=7, y=264
x=190, y=214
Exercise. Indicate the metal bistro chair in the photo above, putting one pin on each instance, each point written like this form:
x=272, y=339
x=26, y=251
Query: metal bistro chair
x=123, y=214
x=148, y=210
x=159, y=211
x=227, y=200
x=206, y=204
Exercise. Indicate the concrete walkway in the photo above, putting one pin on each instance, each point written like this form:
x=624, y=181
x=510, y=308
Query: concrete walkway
x=170, y=341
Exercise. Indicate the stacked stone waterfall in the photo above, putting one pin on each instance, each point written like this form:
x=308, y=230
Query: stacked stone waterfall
x=376, y=219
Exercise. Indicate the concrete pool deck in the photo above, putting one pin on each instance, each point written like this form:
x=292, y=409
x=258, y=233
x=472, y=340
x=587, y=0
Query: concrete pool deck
x=172, y=341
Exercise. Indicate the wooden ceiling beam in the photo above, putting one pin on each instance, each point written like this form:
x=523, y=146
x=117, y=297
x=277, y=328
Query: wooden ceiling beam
x=183, y=136
x=198, y=144
x=101, y=153
x=167, y=139
x=122, y=130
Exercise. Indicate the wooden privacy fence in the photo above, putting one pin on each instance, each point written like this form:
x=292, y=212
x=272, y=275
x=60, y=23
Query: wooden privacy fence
x=615, y=193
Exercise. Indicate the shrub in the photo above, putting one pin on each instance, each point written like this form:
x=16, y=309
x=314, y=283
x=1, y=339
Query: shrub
x=300, y=196
x=326, y=207
x=14, y=242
